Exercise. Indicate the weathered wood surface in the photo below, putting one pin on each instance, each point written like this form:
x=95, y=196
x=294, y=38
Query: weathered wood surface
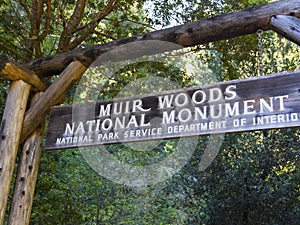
x=13, y=71
x=51, y=97
x=257, y=103
x=221, y=27
x=28, y=165
x=11, y=127
x=287, y=26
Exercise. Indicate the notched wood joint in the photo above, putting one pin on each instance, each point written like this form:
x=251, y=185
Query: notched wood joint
x=2, y=127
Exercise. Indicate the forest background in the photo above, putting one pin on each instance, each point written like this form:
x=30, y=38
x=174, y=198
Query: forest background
x=254, y=178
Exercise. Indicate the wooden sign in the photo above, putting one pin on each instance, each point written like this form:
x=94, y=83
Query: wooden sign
x=235, y=106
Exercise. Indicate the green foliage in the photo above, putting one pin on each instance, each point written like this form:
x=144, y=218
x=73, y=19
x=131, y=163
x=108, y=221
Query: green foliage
x=170, y=12
x=248, y=187
x=255, y=177
x=28, y=31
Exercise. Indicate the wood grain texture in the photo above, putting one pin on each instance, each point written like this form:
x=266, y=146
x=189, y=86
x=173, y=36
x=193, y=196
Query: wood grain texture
x=28, y=166
x=11, y=127
x=287, y=26
x=279, y=92
x=11, y=70
x=51, y=97
x=218, y=28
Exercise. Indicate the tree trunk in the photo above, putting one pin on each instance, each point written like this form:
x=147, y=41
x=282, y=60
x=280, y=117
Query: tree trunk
x=218, y=28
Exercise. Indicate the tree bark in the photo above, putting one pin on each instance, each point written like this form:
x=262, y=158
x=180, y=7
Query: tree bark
x=27, y=175
x=73, y=24
x=51, y=97
x=11, y=127
x=218, y=28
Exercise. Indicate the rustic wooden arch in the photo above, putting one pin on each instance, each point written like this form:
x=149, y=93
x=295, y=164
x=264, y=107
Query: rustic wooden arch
x=24, y=126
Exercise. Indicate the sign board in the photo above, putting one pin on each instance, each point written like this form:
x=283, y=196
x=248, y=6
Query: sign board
x=257, y=103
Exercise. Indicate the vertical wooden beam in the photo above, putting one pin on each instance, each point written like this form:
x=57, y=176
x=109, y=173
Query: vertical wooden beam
x=27, y=176
x=11, y=127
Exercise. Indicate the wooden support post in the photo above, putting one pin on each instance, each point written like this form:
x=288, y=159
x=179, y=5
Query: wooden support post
x=11, y=127
x=27, y=176
x=287, y=26
x=51, y=97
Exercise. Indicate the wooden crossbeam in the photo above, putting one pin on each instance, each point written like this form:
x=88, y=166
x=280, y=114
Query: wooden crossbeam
x=221, y=27
x=13, y=71
x=51, y=97
x=287, y=26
